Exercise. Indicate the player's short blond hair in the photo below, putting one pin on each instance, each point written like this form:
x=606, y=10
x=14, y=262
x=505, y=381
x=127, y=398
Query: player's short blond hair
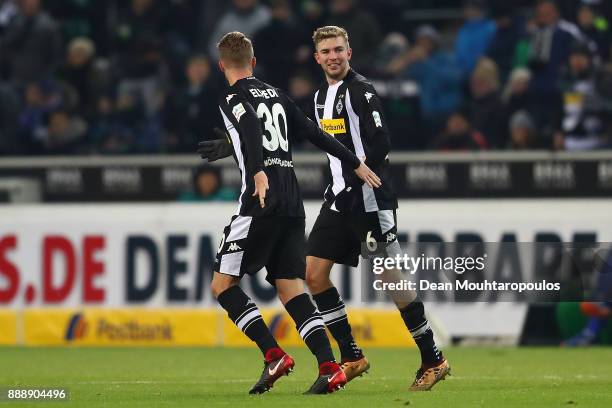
x=323, y=33
x=235, y=49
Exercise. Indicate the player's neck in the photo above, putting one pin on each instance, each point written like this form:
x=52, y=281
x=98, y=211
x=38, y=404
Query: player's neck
x=334, y=81
x=235, y=75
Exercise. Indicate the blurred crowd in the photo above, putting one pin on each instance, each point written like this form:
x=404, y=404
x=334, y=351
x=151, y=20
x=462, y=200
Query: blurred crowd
x=140, y=76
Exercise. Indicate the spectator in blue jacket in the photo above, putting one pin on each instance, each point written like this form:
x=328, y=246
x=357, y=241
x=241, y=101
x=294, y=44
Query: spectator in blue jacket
x=474, y=36
x=437, y=74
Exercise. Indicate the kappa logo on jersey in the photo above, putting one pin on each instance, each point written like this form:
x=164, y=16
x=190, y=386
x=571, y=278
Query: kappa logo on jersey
x=368, y=96
x=377, y=120
x=229, y=97
x=333, y=126
x=234, y=247
x=238, y=111
x=391, y=237
x=339, y=106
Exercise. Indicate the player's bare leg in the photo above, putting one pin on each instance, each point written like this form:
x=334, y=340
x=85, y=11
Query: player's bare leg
x=245, y=314
x=333, y=311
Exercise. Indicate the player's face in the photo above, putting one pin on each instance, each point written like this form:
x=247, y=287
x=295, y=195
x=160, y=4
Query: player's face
x=333, y=54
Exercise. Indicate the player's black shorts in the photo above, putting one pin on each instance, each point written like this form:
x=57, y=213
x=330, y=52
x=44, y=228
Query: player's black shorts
x=339, y=236
x=250, y=244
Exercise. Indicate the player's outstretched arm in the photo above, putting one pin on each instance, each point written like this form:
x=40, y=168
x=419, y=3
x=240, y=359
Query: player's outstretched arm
x=327, y=143
x=218, y=148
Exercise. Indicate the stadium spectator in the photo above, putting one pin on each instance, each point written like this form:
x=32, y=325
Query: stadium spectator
x=8, y=9
x=364, y=31
x=9, y=120
x=282, y=46
x=207, y=186
x=583, y=126
x=474, y=36
x=314, y=15
x=246, y=16
x=137, y=52
x=459, y=135
x=110, y=133
x=509, y=33
x=40, y=99
x=65, y=133
x=551, y=41
x=192, y=108
x=595, y=27
x=487, y=112
x=522, y=131
x=79, y=75
x=83, y=18
x=30, y=46
x=436, y=73
x=301, y=89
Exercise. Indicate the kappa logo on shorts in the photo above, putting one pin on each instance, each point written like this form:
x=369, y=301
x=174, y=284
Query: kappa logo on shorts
x=233, y=247
x=391, y=237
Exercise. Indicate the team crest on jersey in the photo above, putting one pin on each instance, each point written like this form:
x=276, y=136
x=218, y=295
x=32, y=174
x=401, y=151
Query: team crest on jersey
x=339, y=106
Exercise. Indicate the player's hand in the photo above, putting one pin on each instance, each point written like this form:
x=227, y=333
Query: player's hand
x=261, y=186
x=216, y=149
x=368, y=176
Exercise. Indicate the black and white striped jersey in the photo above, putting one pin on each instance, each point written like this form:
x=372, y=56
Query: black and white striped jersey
x=262, y=123
x=352, y=112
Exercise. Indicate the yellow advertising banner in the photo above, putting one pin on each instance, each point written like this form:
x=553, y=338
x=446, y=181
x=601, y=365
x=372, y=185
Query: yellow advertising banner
x=121, y=327
x=8, y=327
x=181, y=327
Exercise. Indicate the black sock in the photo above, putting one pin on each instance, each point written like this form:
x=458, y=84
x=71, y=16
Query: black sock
x=311, y=327
x=414, y=317
x=245, y=314
x=332, y=309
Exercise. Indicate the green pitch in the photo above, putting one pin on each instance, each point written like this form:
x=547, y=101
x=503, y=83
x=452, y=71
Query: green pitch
x=217, y=377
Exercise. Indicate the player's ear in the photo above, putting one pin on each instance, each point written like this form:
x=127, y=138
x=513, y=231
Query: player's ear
x=253, y=62
x=349, y=53
x=221, y=66
x=317, y=57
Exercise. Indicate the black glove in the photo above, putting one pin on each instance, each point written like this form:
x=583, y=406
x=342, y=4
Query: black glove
x=216, y=149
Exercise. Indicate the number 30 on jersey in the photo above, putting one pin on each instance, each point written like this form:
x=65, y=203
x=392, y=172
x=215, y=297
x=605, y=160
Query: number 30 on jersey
x=273, y=131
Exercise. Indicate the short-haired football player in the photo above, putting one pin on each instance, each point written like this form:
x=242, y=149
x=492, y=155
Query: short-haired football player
x=354, y=213
x=268, y=227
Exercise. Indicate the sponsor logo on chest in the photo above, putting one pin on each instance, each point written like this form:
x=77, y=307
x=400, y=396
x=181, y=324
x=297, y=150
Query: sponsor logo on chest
x=333, y=126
